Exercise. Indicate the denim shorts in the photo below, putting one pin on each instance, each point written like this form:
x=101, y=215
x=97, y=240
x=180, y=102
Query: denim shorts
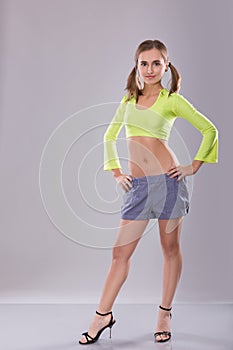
x=155, y=197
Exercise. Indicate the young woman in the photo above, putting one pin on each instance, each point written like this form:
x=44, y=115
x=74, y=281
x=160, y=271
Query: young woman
x=156, y=186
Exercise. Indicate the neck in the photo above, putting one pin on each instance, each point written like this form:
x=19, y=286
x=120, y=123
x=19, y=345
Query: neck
x=151, y=90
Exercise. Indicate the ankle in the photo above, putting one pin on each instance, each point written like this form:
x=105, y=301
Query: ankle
x=103, y=313
x=164, y=308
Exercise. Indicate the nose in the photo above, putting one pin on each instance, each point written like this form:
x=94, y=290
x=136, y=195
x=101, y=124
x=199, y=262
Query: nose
x=149, y=69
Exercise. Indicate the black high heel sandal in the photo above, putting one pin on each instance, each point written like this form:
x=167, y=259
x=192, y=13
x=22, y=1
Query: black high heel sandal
x=90, y=339
x=167, y=333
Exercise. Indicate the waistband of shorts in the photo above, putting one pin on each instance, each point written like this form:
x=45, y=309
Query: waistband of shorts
x=150, y=178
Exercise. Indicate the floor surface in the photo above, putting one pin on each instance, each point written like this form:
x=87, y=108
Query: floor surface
x=59, y=326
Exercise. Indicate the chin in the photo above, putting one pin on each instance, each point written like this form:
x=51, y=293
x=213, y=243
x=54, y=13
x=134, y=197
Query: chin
x=151, y=82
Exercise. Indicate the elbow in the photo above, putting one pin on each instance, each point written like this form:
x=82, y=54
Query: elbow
x=105, y=137
x=108, y=137
x=215, y=133
x=214, y=130
x=211, y=130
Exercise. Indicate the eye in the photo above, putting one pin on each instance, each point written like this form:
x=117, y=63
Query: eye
x=143, y=63
x=157, y=63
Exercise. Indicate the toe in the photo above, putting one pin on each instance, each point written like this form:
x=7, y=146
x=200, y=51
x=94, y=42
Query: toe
x=161, y=337
x=158, y=337
x=83, y=340
x=164, y=337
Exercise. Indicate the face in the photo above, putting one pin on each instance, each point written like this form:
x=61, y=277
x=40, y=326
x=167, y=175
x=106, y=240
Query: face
x=151, y=66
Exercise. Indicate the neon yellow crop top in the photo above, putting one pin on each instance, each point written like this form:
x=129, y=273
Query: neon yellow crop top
x=157, y=122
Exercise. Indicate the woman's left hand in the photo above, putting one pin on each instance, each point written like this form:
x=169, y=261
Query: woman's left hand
x=181, y=171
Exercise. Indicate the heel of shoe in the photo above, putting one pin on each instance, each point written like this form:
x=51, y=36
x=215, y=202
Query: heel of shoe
x=110, y=327
x=111, y=322
x=110, y=332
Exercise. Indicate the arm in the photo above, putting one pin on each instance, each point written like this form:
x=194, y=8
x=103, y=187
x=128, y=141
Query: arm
x=117, y=172
x=196, y=164
x=111, y=159
x=208, y=150
x=185, y=170
x=123, y=179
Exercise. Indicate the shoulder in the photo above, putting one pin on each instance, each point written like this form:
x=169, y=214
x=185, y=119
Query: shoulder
x=180, y=101
x=126, y=98
x=168, y=100
x=180, y=98
x=173, y=95
x=169, y=97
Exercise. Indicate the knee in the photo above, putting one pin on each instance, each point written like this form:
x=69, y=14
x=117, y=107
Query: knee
x=120, y=256
x=170, y=250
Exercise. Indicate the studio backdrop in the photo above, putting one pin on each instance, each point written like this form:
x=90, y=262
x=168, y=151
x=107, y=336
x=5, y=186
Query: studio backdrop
x=64, y=66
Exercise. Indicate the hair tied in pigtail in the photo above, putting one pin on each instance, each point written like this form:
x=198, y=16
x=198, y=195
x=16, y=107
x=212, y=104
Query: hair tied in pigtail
x=139, y=81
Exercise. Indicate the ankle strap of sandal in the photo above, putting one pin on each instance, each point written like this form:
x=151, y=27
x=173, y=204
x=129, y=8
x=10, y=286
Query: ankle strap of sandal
x=107, y=313
x=164, y=308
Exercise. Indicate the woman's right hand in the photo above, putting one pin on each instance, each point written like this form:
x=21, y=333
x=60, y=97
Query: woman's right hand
x=124, y=180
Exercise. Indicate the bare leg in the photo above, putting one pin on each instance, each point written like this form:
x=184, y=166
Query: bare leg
x=129, y=234
x=171, y=270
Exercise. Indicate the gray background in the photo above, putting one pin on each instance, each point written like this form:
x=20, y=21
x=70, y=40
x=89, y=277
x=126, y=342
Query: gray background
x=59, y=57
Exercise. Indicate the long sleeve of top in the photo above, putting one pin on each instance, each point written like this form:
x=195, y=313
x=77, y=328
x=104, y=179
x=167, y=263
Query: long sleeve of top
x=208, y=150
x=157, y=121
x=111, y=159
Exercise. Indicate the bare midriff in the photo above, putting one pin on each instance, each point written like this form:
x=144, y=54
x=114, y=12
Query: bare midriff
x=149, y=156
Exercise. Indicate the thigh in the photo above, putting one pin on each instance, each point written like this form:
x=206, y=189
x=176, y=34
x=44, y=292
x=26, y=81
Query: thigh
x=170, y=230
x=129, y=234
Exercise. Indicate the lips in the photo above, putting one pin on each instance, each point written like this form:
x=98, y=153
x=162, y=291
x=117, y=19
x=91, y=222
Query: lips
x=150, y=76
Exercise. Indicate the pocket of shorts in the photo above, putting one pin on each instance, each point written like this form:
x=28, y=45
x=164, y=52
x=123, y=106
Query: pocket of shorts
x=172, y=184
x=130, y=194
x=133, y=188
x=129, y=190
x=126, y=193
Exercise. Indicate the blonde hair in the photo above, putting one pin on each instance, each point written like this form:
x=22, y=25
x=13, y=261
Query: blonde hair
x=133, y=86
